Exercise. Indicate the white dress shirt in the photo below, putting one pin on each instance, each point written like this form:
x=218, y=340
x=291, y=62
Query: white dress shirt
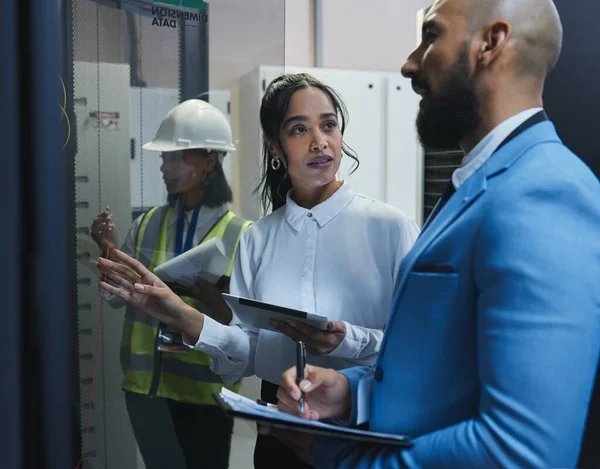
x=207, y=218
x=337, y=260
x=487, y=146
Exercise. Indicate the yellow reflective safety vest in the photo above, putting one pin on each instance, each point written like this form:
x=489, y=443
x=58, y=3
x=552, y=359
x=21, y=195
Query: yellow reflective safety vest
x=181, y=377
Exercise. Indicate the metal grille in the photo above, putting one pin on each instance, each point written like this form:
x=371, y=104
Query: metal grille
x=438, y=169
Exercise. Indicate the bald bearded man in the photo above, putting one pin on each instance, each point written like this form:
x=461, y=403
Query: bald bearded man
x=492, y=343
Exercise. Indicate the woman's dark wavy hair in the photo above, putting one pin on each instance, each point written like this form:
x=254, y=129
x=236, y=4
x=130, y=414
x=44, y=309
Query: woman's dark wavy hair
x=274, y=185
x=217, y=192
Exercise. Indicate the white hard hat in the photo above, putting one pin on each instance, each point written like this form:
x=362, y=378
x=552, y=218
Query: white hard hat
x=190, y=125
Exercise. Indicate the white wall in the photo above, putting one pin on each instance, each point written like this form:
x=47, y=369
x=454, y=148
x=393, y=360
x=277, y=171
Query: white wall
x=299, y=33
x=357, y=34
x=360, y=35
x=243, y=35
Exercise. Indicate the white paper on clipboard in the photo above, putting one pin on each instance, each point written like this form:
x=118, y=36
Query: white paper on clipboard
x=206, y=261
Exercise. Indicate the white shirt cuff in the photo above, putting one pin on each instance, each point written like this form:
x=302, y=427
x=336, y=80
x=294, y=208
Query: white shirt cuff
x=213, y=334
x=350, y=345
x=363, y=399
x=220, y=341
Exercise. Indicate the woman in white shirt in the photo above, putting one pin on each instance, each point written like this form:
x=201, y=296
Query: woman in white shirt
x=324, y=249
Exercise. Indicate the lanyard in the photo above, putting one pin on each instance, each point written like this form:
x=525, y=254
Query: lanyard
x=180, y=248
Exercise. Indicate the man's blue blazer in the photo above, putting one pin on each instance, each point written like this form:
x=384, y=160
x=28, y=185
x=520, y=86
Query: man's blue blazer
x=492, y=343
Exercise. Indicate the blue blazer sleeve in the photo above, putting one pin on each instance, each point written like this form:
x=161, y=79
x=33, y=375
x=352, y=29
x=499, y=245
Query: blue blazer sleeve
x=536, y=269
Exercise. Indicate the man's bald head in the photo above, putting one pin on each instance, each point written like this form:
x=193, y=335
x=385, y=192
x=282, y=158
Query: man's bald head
x=536, y=30
x=478, y=63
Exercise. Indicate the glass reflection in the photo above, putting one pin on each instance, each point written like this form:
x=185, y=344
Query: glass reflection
x=141, y=72
x=192, y=141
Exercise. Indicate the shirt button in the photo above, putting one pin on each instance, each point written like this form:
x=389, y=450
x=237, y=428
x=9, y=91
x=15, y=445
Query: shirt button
x=378, y=374
x=309, y=215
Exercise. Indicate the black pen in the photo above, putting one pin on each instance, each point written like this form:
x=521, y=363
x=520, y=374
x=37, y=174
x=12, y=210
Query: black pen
x=266, y=404
x=300, y=365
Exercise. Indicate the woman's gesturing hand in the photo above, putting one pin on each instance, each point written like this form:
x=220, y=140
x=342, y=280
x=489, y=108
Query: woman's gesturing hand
x=149, y=294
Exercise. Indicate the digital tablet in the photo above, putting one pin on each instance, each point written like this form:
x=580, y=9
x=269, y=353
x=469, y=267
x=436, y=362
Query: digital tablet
x=258, y=314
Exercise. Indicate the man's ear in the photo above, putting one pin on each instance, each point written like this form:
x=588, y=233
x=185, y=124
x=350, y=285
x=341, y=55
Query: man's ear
x=495, y=40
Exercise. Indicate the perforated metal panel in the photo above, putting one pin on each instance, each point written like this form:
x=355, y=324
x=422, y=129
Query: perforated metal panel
x=118, y=53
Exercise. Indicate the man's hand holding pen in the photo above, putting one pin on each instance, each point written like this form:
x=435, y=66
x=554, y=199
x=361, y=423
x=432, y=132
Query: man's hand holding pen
x=325, y=394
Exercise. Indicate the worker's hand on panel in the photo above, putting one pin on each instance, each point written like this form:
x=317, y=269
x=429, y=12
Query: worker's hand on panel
x=104, y=232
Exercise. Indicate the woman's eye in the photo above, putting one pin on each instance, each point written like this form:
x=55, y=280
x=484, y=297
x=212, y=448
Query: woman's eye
x=297, y=131
x=330, y=125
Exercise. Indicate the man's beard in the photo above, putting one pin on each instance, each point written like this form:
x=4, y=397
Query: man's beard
x=445, y=120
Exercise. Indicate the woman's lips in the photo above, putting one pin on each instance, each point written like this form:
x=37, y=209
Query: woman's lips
x=321, y=162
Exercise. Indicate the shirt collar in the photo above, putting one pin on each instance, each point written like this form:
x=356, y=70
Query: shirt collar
x=488, y=145
x=322, y=213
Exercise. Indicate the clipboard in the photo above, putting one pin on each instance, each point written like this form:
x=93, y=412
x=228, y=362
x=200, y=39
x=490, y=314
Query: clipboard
x=257, y=314
x=246, y=409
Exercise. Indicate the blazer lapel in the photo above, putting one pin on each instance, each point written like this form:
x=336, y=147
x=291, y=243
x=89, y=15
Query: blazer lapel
x=461, y=200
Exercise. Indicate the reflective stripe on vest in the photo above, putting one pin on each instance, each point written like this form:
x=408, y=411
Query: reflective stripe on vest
x=185, y=378
x=169, y=365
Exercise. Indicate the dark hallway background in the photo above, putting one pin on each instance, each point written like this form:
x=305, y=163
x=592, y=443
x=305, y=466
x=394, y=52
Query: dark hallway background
x=572, y=96
x=572, y=100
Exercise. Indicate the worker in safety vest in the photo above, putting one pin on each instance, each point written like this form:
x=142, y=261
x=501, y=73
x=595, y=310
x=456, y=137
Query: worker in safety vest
x=168, y=387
